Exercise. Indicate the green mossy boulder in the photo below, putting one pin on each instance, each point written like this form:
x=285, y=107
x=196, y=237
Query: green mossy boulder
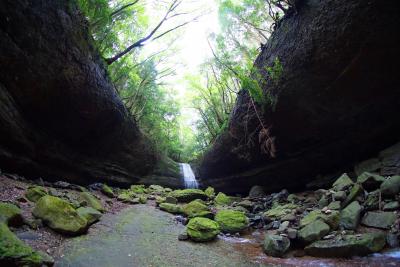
x=194, y=208
x=13, y=252
x=59, y=215
x=391, y=186
x=275, y=245
x=383, y=220
x=89, y=200
x=138, y=189
x=202, y=229
x=342, y=182
x=106, y=190
x=187, y=195
x=10, y=214
x=90, y=214
x=171, y=208
x=231, y=221
x=157, y=190
x=332, y=219
x=210, y=192
x=348, y=246
x=394, y=205
x=334, y=205
x=350, y=216
x=370, y=181
x=171, y=200
x=160, y=200
x=355, y=191
x=278, y=211
x=313, y=231
x=223, y=200
x=35, y=192
x=142, y=199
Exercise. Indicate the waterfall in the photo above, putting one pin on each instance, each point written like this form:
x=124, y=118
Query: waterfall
x=188, y=176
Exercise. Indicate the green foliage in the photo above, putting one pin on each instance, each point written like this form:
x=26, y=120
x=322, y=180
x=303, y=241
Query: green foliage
x=275, y=71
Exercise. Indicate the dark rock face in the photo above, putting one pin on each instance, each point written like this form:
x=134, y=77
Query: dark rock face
x=60, y=117
x=337, y=99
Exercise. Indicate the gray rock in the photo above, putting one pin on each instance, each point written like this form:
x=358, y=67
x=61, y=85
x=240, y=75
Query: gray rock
x=342, y=182
x=292, y=233
x=275, y=245
x=393, y=240
x=350, y=245
x=370, y=181
x=350, y=216
x=369, y=165
x=394, y=205
x=313, y=231
x=339, y=195
x=391, y=186
x=383, y=220
x=335, y=205
x=256, y=192
x=283, y=226
x=355, y=191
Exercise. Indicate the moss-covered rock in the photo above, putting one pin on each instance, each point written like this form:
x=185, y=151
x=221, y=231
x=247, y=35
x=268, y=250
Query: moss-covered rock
x=202, y=229
x=157, y=189
x=160, y=200
x=372, y=200
x=350, y=216
x=383, y=220
x=59, y=215
x=342, y=182
x=355, y=191
x=10, y=214
x=222, y=199
x=35, y=192
x=194, y=208
x=391, y=186
x=13, y=252
x=89, y=200
x=279, y=211
x=187, y=195
x=142, y=199
x=138, y=189
x=90, y=214
x=106, y=190
x=171, y=200
x=275, y=245
x=347, y=246
x=370, y=181
x=171, y=208
x=332, y=219
x=231, y=221
x=313, y=231
x=210, y=192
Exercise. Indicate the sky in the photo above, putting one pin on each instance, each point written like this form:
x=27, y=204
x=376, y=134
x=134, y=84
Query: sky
x=192, y=49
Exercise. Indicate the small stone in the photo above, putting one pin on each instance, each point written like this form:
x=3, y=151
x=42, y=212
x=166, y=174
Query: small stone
x=313, y=231
x=283, y=226
x=329, y=237
x=183, y=237
x=292, y=233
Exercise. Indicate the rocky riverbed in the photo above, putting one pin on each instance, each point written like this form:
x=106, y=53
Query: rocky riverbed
x=354, y=223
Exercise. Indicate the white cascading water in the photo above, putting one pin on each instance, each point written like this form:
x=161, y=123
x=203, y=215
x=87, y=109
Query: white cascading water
x=188, y=176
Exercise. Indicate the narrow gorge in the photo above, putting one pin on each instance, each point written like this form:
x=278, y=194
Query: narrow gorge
x=199, y=133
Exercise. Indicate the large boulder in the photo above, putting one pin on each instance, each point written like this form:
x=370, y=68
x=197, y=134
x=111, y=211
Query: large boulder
x=59, y=215
x=350, y=245
x=196, y=209
x=332, y=218
x=171, y=208
x=90, y=214
x=222, y=199
x=350, y=216
x=231, y=221
x=338, y=80
x=89, y=200
x=13, y=252
x=391, y=186
x=61, y=118
x=313, y=231
x=202, y=229
x=10, y=214
x=35, y=192
x=187, y=195
x=383, y=220
x=275, y=245
x=370, y=181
